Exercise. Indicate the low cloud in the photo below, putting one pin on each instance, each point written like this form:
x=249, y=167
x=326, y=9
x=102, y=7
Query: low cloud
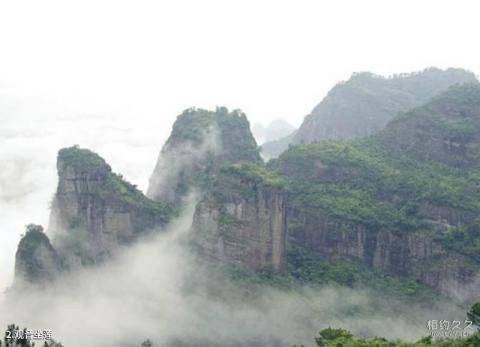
x=157, y=289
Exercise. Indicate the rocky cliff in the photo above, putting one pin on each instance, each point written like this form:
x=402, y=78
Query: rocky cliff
x=239, y=219
x=242, y=220
x=417, y=255
x=94, y=210
x=36, y=261
x=200, y=142
x=366, y=102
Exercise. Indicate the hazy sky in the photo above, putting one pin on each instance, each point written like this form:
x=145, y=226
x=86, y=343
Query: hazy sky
x=270, y=58
x=112, y=75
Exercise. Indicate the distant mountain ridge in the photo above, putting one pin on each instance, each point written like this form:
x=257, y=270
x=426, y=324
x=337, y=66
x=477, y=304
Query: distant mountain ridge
x=275, y=130
x=366, y=102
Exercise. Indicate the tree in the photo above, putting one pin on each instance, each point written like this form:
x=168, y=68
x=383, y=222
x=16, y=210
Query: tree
x=331, y=334
x=474, y=314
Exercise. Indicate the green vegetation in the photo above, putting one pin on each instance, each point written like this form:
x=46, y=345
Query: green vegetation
x=254, y=173
x=111, y=187
x=304, y=268
x=117, y=187
x=342, y=338
x=192, y=126
x=34, y=236
x=366, y=102
x=362, y=182
x=80, y=159
x=464, y=239
x=474, y=315
x=232, y=128
x=36, y=260
x=309, y=269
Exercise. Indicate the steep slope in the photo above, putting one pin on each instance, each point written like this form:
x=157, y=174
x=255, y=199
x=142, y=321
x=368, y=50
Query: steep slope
x=409, y=212
x=242, y=219
x=95, y=211
x=240, y=214
x=36, y=261
x=446, y=130
x=200, y=142
x=366, y=102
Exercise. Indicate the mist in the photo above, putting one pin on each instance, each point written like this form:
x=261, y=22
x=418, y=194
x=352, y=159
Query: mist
x=31, y=138
x=158, y=289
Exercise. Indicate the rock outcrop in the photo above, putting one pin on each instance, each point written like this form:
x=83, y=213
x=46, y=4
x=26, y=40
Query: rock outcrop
x=36, y=261
x=366, y=102
x=242, y=220
x=416, y=255
x=201, y=141
x=239, y=219
x=94, y=210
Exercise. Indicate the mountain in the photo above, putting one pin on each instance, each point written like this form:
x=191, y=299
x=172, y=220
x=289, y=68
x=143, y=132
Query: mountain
x=275, y=130
x=241, y=220
x=403, y=201
x=366, y=102
x=94, y=213
x=370, y=203
x=36, y=261
x=397, y=210
x=272, y=149
x=199, y=143
x=447, y=129
x=238, y=219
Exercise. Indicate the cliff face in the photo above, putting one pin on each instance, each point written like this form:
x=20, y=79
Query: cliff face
x=366, y=103
x=416, y=255
x=36, y=261
x=201, y=141
x=95, y=211
x=242, y=220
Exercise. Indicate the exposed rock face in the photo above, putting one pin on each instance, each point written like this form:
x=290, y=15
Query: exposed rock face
x=365, y=103
x=446, y=130
x=95, y=211
x=410, y=254
x=200, y=142
x=242, y=221
x=36, y=261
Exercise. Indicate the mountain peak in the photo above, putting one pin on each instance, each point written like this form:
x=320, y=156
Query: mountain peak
x=80, y=160
x=366, y=102
x=201, y=140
